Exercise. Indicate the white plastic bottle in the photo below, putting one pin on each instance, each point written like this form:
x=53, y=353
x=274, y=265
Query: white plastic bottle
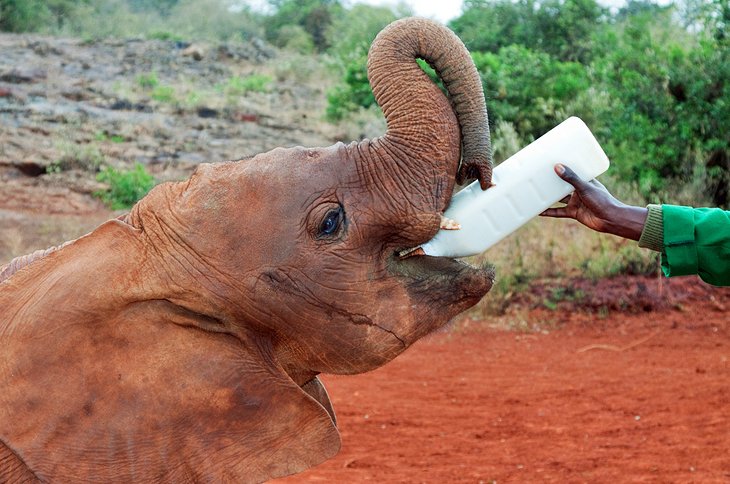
x=525, y=185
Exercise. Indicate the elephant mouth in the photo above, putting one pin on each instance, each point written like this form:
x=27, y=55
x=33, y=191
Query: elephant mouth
x=441, y=285
x=442, y=280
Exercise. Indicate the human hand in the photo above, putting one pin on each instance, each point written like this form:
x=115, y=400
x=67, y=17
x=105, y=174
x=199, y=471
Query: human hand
x=592, y=205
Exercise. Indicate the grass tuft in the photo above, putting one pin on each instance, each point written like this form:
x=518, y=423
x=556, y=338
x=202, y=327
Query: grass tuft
x=126, y=187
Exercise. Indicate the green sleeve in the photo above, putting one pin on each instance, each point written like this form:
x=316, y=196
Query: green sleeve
x=697, y=241
x=652, y=237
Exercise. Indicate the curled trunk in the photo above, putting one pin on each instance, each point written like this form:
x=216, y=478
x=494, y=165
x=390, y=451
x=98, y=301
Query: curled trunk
x=420, y=118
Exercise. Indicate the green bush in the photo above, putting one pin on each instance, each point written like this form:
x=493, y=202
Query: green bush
x=355, y=92
x=126, y=187
x=563, y=29
x=670, y=103
x=159, y=92
x=104, y=136
x=313, y=16
x=528, y=89
x=351, y=33
x=610, y=261
x=23, y=15
x=37, y=15
x=163, y=94
x=294, y=38
x=238, y=86
x=212, y=20
x=163, y=35
x=148, y=81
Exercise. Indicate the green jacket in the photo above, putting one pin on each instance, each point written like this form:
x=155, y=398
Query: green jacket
x=691, y=240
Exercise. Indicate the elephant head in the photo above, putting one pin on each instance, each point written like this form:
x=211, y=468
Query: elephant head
x=184, y=340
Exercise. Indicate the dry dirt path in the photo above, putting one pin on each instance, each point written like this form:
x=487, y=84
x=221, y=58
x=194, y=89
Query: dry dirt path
x=629, y=397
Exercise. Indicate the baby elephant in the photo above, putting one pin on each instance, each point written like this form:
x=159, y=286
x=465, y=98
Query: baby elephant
x=183, y=341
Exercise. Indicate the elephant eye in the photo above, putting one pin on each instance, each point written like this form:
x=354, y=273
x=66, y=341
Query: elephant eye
x=331, y=223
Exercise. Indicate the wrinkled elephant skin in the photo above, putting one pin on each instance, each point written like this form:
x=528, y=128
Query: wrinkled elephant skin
x=182, y=342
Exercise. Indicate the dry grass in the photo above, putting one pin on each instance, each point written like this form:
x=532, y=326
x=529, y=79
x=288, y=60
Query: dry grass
x=22, y=235
x=555, y=249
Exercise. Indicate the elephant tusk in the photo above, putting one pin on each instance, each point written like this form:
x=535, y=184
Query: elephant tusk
x=414, y=251
x=448, y=224
x=445, y=224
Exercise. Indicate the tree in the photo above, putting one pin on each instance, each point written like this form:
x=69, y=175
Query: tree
x=22, y=15
x=314, y=16
x=562, y=28
x=487, y=26
x=671, y=104
x=528, y=89
x=352, y=32
x=566, y=28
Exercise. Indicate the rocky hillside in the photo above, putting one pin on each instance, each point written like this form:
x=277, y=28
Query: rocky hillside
x=70, y=107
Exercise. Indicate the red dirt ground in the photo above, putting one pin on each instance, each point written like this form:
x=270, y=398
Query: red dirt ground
x=617, y=397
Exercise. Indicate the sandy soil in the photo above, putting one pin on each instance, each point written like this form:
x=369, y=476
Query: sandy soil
x=622, y=397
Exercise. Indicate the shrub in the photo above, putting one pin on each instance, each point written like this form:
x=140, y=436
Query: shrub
x=104, y=136
x=238, y=86
x=37, y=15
x=163, y=94
x=74, y=155
x=561, y=28
x=313, y=16
x=126, y=187
x=163, y=35
x=355, y=91
x=213, y=20
x=22, y=15
x=148, y=81
x=294, y=38
x=158, y=92
x=351, y=33
x=528, y=89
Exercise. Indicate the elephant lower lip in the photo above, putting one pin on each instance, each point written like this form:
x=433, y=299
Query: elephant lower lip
x=450, y=279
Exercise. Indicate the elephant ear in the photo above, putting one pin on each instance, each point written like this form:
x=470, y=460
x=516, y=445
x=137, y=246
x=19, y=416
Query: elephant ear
x=316, y=390
x=145, y=396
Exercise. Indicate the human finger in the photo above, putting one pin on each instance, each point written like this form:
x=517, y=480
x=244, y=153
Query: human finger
x=570, y=176
x=556, y=212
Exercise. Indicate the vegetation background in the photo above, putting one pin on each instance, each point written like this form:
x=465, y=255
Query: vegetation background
x=652, y=81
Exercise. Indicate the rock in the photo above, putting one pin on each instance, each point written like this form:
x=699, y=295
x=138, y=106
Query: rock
x=191, y=158
x=30, y=168
x=125, y=105
x=193, y=51
x=75, y=94
x=256, y=51
x=23, y=75
x=247, y=117
x=205, y=112
x=43, y=48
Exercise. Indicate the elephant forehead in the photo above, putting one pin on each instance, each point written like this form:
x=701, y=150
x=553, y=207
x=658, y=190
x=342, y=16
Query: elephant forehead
x=292, y=173
x=304, y=157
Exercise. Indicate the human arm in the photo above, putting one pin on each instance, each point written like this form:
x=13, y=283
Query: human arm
x=593, y=206
x=691, y=240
